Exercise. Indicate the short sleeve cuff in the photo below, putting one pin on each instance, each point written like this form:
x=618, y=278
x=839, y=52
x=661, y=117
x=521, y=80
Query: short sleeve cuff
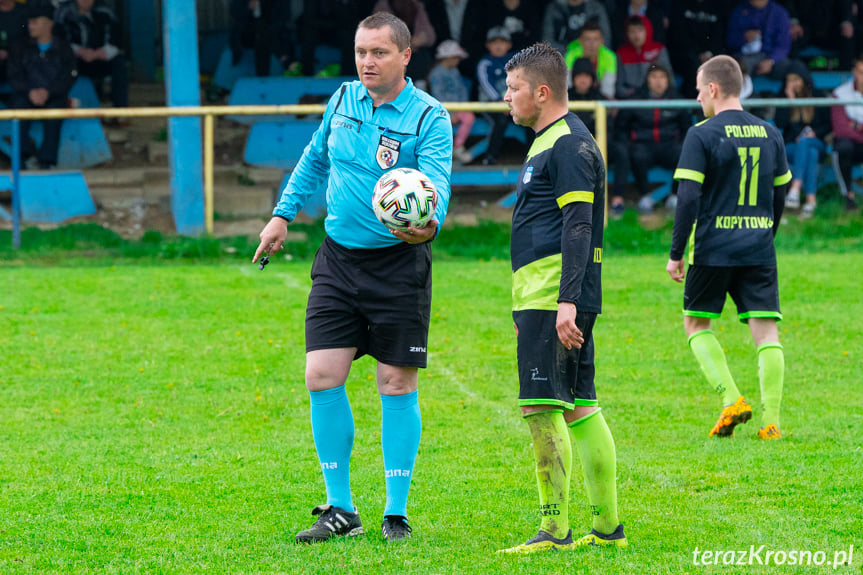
x=684, y=174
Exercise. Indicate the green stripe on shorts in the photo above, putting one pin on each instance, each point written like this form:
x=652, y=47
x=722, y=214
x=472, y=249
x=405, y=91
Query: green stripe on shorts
x=760, y=315
x=704, y=314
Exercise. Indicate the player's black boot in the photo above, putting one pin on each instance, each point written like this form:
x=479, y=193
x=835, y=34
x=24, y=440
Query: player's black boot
x=333, y=522
x=395, y=528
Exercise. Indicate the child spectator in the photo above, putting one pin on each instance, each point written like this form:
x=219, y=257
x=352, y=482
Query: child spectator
x=584, y=89
x=847, y=122
x=803, y=129
x=491, y=77
x=759, y=32
x=94, y=34
x=448, y=85
x=564, y=19
x=636, y=56
x=41, y=71
x=654, y=136
x=655, y=14
x=590, y=45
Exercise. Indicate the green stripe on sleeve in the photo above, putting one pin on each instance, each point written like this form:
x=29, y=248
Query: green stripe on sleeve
x=783, y=179
x=572, y=197
x=684, y=174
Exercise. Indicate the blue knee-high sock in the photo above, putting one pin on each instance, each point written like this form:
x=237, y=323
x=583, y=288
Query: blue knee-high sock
x=401, y=426
x=333, y=430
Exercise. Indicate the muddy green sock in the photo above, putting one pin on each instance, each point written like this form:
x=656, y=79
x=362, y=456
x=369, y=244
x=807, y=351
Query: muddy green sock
x=711, y=358
x=553, y=451
x=595, y=446
x=771, y=374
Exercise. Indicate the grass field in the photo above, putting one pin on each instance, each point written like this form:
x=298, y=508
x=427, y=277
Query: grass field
x=154, y=420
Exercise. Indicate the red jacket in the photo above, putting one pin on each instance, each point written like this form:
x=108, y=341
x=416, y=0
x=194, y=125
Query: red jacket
x=845, y=127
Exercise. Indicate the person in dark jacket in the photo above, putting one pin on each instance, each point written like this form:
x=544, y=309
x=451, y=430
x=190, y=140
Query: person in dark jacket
x=13, y=25
x=41, y=71
x=654, y=136
x=759, y=32
x=826, y=24
x=94, y=34
x=265, y=27
x=804, y=129
x=697, y=33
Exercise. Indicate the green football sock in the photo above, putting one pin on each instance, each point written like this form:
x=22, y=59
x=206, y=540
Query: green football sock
x=711, y=358
x=771, y=374
x=599, y=464
x=553, y=451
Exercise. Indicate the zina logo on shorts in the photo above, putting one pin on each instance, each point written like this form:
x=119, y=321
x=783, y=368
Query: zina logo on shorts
x=417, y=349
x=397, y=473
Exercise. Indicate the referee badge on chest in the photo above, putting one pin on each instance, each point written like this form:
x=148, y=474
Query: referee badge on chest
x=527, y=174
x=388, y=152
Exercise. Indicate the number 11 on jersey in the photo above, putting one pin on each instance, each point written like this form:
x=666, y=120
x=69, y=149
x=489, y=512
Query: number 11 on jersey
x=751, y=174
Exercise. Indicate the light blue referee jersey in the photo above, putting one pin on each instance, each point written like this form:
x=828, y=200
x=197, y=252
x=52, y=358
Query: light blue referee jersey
x=355, y=144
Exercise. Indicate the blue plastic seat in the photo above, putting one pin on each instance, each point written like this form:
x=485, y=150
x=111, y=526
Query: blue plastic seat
x=50, y=197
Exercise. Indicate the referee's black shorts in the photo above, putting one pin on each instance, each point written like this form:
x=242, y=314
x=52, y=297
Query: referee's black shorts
x=376, y=300
x=755, y=290
x=548, y=373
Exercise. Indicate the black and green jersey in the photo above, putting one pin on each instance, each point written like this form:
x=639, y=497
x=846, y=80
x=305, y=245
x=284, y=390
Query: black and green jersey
x=738, y=159
x=556, y=243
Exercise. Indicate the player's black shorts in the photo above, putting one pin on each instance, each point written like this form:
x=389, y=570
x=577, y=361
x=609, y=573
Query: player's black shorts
x=548, y=373
x=755, y=290
x=378, y=301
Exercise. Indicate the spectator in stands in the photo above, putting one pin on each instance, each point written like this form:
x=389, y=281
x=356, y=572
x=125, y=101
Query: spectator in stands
x=654, y=13
x=654, y=136
x=847, y=124
x=585, y=88
x=590, y=45
x=564, y=19
x=413, y=13
x=804, y=129
x=491, y=77
x=41, y=71
x=696, y=34
x=448, y=85
x=265, y=27
x=447, y=18
x=519, y=17
x=636, y=56
x=825, y=24
x=94, y=34
x=13, y=25
x=759, y=32
x=330, y=22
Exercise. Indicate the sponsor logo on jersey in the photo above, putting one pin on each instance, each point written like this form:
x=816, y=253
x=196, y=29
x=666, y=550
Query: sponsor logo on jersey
x=744, y=223
x=527, y=174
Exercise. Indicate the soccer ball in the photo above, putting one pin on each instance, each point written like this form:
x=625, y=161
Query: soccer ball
x=404, y=197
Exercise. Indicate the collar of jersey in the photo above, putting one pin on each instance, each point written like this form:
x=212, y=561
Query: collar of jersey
x=401, y=101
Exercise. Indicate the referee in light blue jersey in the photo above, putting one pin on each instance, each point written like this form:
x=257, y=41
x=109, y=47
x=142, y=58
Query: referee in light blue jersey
x=371, y=287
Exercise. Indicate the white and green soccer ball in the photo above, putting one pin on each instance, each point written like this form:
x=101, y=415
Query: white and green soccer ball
x=404, y=197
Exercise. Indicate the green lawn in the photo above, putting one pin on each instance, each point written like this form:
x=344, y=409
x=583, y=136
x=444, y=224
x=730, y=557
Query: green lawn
x=154, y=420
